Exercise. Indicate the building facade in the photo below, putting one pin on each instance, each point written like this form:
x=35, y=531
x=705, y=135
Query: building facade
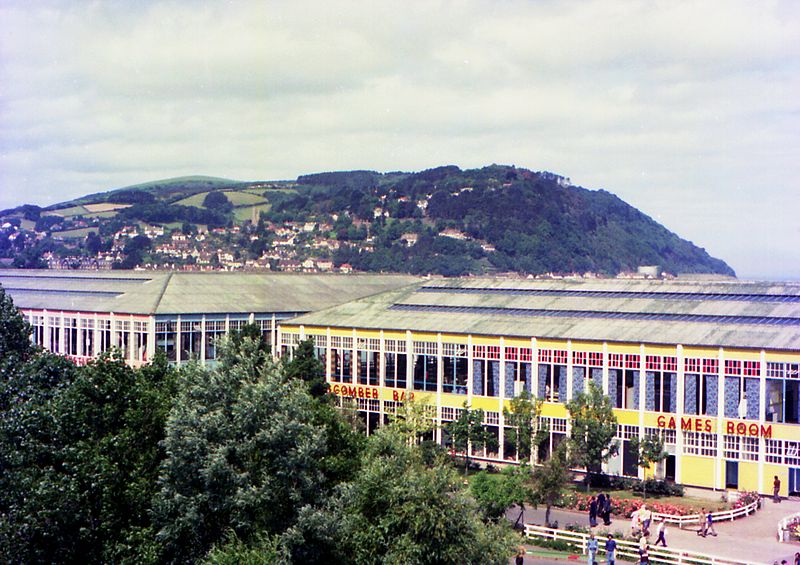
x=711, y=367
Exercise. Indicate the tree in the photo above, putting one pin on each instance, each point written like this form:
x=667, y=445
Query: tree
x=594, y=427
x=648, y=451
x=495, y=493
x=413, y=420
x=305, y=366
x=244, y=454
x=80, y=453
x=218, y=202
x=549, y=480
x=468, y=431
x=15, y=342
x=523, y=428
x=398, y=510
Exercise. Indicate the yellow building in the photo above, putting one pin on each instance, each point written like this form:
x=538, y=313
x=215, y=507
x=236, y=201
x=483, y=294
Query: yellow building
x=710, y=366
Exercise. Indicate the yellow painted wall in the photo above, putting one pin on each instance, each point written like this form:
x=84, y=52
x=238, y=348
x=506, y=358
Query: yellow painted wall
x=707, y=352
x=554, y=410
x=770, y=471
x=698, y=471
x=623, y=348
x=483, y=403
x=587, y=346
x=483, y=340
x=668, y=350
x=394, y=335
x=629, y=417
x=551, y=343
x=455, y=338
x=783, y=356
x=748, y=475
x=518, y=342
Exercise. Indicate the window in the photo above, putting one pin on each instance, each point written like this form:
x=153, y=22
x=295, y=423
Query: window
x=165, y=338
x=486, y=370
x=662, y=383
x=553, y=375
x=749, y=448
x=396, y=362
x=368, y=361
x=455, y=368
x=519, y=371
x=342, y=359
x=731, y=447
x=426, y=365
x=774, y=450
x=191, y=337
x=700, y=443
x=701, y=386
x=491, y=418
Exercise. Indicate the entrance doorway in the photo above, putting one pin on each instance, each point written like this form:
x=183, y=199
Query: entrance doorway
x=732, y=474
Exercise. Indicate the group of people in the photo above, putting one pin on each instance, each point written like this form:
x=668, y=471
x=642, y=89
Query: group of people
x=611, y=548
x=706, y=524
x=600, y=507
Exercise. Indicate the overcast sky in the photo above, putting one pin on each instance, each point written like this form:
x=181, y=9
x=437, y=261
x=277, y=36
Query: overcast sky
x=689, y=111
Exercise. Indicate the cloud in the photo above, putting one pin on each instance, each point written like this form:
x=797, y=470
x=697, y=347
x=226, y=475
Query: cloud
x=688, y=110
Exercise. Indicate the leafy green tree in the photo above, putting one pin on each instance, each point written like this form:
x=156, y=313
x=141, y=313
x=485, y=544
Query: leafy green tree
x=243, y=454
x=594, y=427
x=413, y=420
x=550, y=479
x=523, y=427
x=648, y=451
x=398, y=511
x=81, y=472
x=305, y=366
x=496, y=493
x=467, y=431
x=15, y=343
x=218, y=202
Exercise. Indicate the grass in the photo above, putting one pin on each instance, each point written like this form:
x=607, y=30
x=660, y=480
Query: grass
x=67, y=212
x=27, y=224
x=244, y=213
x=74, y=234
x=107, y=214
x=237, y=198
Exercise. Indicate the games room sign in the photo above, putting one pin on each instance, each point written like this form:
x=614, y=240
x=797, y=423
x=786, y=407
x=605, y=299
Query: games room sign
x=708, y=425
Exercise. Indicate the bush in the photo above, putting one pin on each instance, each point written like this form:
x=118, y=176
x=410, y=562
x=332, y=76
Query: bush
x=556, y=544
x=609, y=482
x=655, y=487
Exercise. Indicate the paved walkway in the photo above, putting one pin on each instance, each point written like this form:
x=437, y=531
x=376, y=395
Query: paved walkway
x=752, y=538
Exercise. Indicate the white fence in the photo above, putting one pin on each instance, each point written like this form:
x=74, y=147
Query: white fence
x=630, y=549
x=783, y=526
x=721, y=516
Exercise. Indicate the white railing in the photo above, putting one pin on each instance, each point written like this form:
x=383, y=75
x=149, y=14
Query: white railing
x=630, y=549
x=783, y=526
x=720, y=516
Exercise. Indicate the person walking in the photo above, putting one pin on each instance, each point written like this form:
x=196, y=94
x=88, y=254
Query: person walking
x=601, y=506
x=593, y=512
x=703, y=523
x=607, y=510
x=662, y=533
x=645, y=516
x=710, y=525
x=797, y=559
x=644, y=555
x=776, y=489
x=520, y=558
x=591, y=549
x=611, y=548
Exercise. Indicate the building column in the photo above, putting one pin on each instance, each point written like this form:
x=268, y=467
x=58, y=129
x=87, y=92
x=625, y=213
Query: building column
x=151, y=338
x=570, y=376
x=470, y=370
x=178, y=341
x=437, y=431
x=131, y=342
x=679, y=407
x=605, y=369
x=409, y=364
x=501, y=425
x=762, y=414
x=642, y=398
x=720, y=458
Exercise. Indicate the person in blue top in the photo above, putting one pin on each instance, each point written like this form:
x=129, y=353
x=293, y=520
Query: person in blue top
x=591, y=548
x=611, y=548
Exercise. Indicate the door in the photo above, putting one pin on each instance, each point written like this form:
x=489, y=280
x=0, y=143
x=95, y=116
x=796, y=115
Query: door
x=629, y=463
x=794, y=481
x=732, y=474
x=669, y=468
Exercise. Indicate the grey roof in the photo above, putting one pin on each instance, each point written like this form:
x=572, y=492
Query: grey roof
x=142, y=292
x=730, y=313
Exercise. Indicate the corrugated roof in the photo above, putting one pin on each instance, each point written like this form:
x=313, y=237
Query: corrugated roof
x=737, y=321
x=184, y=292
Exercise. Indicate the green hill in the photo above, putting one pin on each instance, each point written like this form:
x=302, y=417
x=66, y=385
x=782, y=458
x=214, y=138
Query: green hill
x=443, y=220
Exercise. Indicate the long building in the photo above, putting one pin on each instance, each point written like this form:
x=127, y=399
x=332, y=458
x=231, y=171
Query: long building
x=712, y=367
x=81, y=314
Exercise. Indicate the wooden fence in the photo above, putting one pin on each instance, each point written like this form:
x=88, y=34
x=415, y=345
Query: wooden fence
x=721, y=516
x=630, y=549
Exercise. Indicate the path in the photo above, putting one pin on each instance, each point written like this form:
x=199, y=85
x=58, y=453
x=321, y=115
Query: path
x=752, y=538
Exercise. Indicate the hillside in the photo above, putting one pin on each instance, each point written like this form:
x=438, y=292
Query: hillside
x=445, y=220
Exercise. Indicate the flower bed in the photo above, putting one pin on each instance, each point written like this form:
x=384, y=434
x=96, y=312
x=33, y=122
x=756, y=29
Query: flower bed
x=746, y=497
x=623, y=506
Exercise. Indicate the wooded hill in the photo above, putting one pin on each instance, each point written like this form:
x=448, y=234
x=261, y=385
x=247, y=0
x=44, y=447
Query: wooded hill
x=443, y=220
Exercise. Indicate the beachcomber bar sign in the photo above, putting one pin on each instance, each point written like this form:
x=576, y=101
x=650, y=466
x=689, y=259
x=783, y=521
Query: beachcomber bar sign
x=707, y=425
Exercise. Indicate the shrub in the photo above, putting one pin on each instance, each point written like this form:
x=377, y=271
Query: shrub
x=655, y=487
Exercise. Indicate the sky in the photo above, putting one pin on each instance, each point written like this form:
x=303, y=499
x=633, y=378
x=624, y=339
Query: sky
x=689, y=111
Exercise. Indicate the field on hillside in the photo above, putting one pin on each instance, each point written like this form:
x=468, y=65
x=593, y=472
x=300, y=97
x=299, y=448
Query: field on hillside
x=74, y=234
x=237, y=198
x=67, y=212
x=244, y=213
x=105, y=207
